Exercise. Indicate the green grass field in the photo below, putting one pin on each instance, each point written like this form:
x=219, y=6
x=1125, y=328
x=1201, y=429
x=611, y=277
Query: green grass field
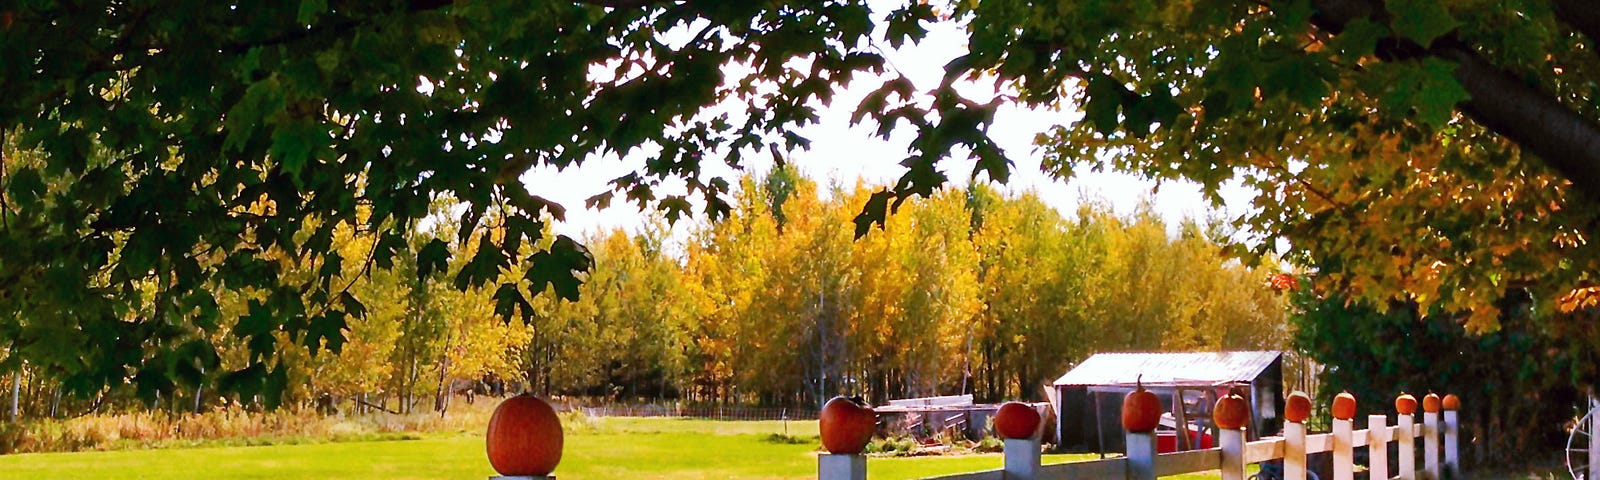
x=612, y=448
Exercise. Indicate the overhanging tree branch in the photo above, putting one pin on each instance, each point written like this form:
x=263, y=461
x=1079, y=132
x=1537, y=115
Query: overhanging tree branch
x=1534, y=119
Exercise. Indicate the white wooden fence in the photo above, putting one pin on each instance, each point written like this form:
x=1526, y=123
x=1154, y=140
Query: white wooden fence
x=1022, y=456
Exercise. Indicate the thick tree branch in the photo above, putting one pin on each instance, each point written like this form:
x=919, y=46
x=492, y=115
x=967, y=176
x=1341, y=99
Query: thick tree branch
x=1566, y=141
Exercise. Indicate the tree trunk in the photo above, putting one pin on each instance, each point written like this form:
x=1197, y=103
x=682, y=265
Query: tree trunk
x=16, y=394
x=441, y=392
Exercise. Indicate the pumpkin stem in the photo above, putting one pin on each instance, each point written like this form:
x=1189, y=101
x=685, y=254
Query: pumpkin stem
x=1138, y=382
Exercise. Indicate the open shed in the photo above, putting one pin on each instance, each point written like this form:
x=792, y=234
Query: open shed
x=1089, y=412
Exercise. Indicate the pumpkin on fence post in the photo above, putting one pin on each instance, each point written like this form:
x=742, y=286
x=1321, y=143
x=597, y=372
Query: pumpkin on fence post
x=1141, y=409
x=847, y=425
x=1451, y=402
x=1431, y=403
x=1405, y=404
x=524, y=437
x=1344, y=406
x=1298, y=407
x=1017, y=420
x=1232, y=412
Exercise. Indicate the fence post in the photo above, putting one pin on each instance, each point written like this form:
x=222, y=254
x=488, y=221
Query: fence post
x=1408, y=447
x=1452, y=443
x=1232, y=442
x=832, y=466
x=1594, y=441
x=1343, y=451
x=1294, y=451
x=1022, y=458
x=1378, y=446
x=1142, y=456
x=1430, y=444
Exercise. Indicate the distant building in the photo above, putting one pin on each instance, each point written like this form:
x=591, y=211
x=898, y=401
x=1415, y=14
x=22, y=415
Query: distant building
x=1089, y=397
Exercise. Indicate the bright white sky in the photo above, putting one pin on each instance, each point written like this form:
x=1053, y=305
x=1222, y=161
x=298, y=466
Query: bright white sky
x=841, y=153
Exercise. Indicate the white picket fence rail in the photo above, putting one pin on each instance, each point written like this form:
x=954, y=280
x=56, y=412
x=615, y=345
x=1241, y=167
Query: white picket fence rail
x=1439, y=431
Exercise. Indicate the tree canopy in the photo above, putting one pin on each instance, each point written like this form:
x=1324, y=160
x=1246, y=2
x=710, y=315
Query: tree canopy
x=158, y=152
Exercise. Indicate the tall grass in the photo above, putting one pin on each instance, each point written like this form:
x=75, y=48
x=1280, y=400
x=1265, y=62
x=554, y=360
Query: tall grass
x=158, y=429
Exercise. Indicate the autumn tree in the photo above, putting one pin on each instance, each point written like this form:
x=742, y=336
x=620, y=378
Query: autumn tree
x=1420, y=150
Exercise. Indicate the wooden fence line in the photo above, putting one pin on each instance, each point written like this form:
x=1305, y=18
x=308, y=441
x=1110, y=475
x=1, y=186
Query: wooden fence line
x=1439, y=431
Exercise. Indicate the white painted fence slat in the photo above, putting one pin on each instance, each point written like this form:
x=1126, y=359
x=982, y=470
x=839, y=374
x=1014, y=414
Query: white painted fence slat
x=1430, y=444
x=1343, y=451
x=1263, y=450
x=1294, y=451
x=1179, y=463
x=1108, y=468
x=1321, y=442
x=1360, y=438
x=1378, y=446
x=1407, y=456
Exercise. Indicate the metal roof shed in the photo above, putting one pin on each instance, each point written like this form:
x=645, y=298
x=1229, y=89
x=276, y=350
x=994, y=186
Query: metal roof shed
x=1090, y=406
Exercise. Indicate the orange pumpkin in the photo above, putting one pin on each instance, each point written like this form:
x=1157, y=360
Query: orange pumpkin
x=1298, y=408
x=1452, y=402
x=1344, y=406
x=847, y=425
x=1231, y=413
x=1431, y=403
x=1405, y=404
x=1017, y=420
x=524, y=437
x=1141, y=409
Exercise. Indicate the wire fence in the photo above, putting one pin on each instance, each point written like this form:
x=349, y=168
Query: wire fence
x=704, y=412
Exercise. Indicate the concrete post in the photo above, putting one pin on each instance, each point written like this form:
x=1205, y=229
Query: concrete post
x=1232, y=442
x=1142, y=456
x=1022, y=458
x=841, y=467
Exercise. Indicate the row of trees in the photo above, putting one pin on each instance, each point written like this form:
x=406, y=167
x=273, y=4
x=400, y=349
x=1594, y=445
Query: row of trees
x=966, y=291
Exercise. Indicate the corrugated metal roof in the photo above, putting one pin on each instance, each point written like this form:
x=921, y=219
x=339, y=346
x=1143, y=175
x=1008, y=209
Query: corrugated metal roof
x=1196, y=368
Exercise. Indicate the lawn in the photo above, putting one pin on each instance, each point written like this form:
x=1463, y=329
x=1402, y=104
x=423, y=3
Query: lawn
x=612, y=448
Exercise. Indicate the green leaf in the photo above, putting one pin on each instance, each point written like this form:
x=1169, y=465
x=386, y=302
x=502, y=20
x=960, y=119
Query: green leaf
x=26, y=187
x=1438, y=92
x=1422, y=21
x=434, y=257
x=559, y=267
x=1105, y=97
x=508, y=300
x=326, y=331
x=294, y=144
x=1359, y=38
x=875, y=212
